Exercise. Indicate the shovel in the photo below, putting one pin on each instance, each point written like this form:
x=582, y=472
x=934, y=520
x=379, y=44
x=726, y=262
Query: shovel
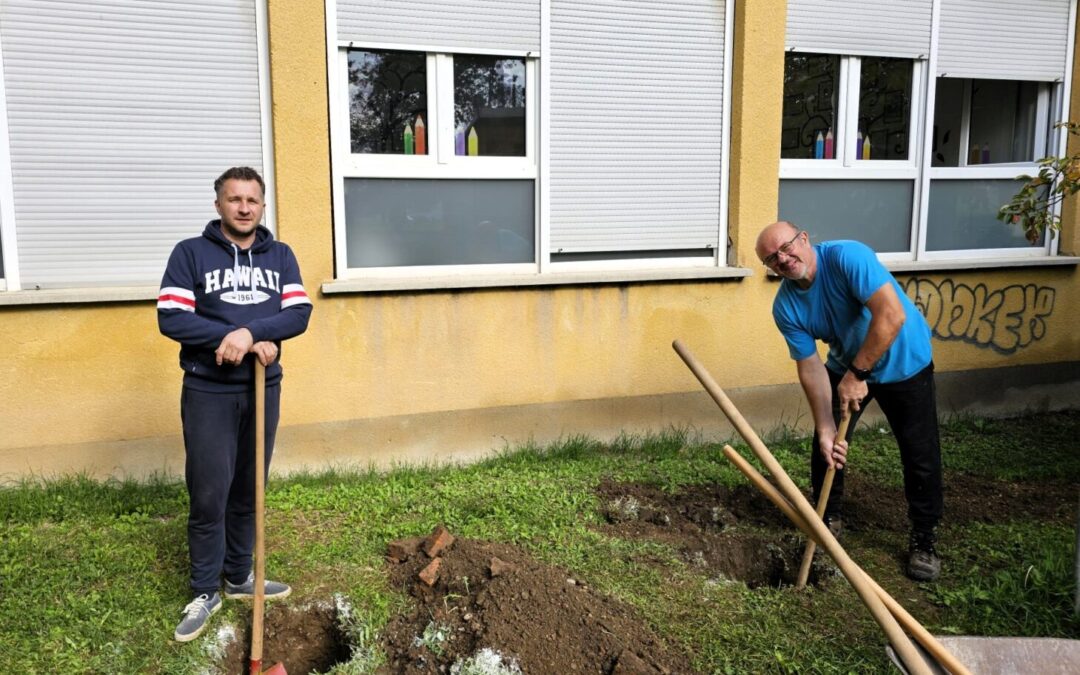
x=260, y=542
x=823, y=500
x=900, y=642
x=927, y=643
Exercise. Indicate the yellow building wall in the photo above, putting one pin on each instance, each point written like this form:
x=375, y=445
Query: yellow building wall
x=96, y=387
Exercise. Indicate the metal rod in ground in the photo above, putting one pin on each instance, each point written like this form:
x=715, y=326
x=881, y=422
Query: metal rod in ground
x=900, y=642
x=906, y=621
x=823, y=501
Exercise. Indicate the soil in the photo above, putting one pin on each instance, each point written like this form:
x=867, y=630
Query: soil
x=707, y=524
x=306, y=639
x=542, y=619
x=496, y=596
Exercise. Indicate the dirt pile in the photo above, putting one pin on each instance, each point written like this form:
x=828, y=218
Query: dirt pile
x=485, y=600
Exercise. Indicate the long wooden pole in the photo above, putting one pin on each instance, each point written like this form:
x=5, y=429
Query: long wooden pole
x=255, y=666
x=900, y=643
x=908, y=622
x=823, y=501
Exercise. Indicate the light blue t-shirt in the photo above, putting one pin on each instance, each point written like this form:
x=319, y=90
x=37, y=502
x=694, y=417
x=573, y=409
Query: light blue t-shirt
x=834, y=310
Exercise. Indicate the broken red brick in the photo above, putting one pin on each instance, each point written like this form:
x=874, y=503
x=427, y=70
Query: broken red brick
x=403, y=549
x=438, y=541
x=499, y=567
x=430, y=574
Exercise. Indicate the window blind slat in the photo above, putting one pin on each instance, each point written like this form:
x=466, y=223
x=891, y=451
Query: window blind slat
x=899, y=28
x=636, y=124
x=120, y=116
x=461, y=24
x=1004, y=39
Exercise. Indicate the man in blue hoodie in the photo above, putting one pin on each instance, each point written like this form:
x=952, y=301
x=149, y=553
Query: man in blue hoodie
x=879, y=349
x=228, y=297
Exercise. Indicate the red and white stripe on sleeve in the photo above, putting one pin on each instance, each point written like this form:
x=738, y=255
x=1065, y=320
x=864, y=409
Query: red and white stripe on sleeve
x=171, y=297
x=293, y=294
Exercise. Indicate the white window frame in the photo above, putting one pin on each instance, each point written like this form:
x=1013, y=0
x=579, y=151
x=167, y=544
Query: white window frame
x=440, y=162
x=1045, y=144
x=344, y=164
x=846, y=165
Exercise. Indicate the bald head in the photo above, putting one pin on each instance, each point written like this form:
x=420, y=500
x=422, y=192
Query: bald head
x=786, y=250
x=772, y=236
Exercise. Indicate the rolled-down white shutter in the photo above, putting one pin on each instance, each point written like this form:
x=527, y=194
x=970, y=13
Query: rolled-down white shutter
x=120, y=116
x=1004, y=39
x=899, y=28
x=636, y=124
x=458, y=24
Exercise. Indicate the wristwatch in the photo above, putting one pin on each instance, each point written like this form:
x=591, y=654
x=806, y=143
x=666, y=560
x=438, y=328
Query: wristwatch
x=861, y=374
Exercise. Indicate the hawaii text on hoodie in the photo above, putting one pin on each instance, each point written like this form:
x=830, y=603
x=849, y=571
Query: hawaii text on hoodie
x=211, y=287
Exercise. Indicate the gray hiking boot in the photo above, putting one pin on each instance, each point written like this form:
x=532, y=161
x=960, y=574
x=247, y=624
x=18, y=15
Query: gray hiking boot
x=196, y=614
x=924, y=564
x=246, y=590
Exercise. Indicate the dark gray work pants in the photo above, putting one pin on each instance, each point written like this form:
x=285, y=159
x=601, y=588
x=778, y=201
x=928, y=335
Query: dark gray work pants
x=910, y=406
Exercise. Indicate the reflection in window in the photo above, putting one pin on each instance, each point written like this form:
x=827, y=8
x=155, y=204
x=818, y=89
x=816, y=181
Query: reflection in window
x=810, y=86
x=388, y=102
x=884, y=108
x=489, y=106
x=1002, y=122
x=948, y=118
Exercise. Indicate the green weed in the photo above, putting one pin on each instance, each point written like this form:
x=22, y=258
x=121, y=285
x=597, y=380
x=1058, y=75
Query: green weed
x=93, y=573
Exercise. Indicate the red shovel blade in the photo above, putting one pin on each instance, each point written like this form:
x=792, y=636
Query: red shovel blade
x=276, y=669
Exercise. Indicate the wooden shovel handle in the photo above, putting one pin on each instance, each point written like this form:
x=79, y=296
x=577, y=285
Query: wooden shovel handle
x=909, y=655
x=908, y=622
x=823, y=501
x=260, y=489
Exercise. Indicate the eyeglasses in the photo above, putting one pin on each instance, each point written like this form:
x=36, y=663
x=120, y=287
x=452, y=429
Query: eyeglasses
x=785, y=248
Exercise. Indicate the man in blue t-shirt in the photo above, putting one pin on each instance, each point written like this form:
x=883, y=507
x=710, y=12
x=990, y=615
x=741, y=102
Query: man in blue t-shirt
x=879, y=349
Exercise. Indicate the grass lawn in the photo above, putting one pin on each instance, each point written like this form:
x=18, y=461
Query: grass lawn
x=93, y=575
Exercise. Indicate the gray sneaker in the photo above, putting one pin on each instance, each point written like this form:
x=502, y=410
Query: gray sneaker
x=195, y=616
x=246, y=590
x=835, y=525
x=924, y=564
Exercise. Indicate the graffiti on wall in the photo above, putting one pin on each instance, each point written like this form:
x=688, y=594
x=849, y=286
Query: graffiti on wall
x=1003, y=320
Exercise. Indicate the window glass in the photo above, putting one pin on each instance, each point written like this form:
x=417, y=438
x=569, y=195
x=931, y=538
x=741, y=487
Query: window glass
x=948, y=118
x=962, y=215
x=1002, y=126
x=400, y=222
x=489, y=106
x=388, y=102
x=1002, y=121
x=884, y=108
x=810, y=90
x=875, y=212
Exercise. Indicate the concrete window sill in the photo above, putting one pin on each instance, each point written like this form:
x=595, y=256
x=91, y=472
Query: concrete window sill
x=456, y=282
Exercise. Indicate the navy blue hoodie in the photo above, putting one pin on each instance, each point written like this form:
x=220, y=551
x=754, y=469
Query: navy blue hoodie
x=212, y=287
